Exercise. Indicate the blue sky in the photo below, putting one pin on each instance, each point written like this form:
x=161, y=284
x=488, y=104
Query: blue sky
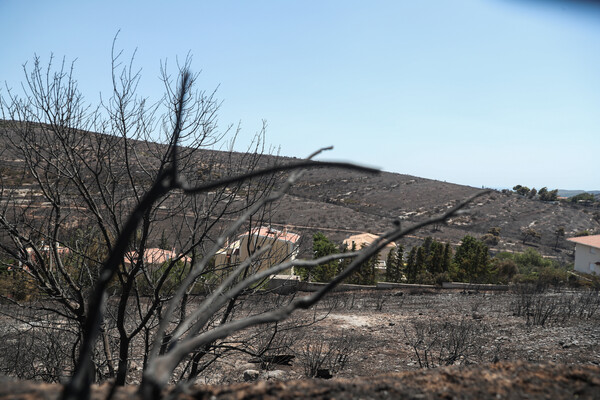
x=484, y=93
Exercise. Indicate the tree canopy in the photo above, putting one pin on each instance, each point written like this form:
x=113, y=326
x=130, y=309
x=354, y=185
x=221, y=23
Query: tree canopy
x=322, y=246
x=472, y=259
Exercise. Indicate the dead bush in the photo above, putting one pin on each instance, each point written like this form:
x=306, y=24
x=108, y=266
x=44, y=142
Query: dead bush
x=444, y=343
x=586, y=303
x=380, y=298
x=540, y=307
x=36, y=345
x=322, y=357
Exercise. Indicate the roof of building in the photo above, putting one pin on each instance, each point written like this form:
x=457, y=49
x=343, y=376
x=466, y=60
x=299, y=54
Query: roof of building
x=364, y=238
x=266, y=231
x=156, y=256
x=592, y=240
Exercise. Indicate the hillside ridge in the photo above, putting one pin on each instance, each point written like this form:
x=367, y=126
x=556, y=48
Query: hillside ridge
x=339, y=201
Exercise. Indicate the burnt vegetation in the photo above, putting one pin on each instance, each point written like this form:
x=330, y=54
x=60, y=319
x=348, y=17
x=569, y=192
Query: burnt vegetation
x=92, y=195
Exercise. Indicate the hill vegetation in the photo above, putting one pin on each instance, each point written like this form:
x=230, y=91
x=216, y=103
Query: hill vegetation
x=340, y=203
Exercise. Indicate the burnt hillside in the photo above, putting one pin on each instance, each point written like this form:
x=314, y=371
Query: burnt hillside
x=340, y=202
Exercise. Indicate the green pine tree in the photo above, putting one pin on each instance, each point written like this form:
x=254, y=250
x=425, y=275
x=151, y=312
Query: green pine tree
x=420, y=260
x=322, y=247
x=391, y=266
x=427, y=243
x=447, y=258
x=435, y=260
x=399, y=263
x=394, y=265
x=411, y=266
x=472, y=260
x=365, y=273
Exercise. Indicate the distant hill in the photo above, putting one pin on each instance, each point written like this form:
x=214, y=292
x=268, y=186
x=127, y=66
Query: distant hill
x=349, y=200
x=340, y=203
x=571, y=193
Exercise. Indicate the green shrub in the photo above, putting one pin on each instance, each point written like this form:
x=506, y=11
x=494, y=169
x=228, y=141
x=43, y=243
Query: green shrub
x=531, y=267
x=505, y=269
x=583, y=233
x=490, y=239
x=530, y=260
x=525, y=278
x=441, y=278
x=553, y=276
x=425, y=278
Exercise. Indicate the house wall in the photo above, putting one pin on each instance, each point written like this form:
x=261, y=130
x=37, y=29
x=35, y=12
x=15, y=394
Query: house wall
x=585, y=259
x=222, y=257
x=224, y=263
x=281, y=251
x=382, y=255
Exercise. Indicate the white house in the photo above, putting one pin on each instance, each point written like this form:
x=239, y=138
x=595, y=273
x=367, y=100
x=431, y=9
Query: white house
x=587, y=254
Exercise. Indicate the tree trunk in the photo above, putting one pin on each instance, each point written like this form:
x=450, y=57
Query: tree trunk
x=123, y=362
x=108, y=352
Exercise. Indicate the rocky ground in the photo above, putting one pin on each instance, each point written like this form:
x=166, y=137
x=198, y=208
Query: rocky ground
x=496, y=381
x=415, y=344
x=382, y=332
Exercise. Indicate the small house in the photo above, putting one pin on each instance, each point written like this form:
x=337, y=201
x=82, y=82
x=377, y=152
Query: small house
x=365, y=239
x=587, y=254
x=283, y=247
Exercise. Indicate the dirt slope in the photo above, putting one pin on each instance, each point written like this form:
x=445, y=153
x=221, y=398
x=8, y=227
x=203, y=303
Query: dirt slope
x=494, y=381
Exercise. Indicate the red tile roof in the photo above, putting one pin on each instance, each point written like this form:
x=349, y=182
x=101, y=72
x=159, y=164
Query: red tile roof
x=592, y=241
x=265, y=231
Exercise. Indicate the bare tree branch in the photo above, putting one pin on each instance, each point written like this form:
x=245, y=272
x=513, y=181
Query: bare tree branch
x=158, y=373
x=124, y=188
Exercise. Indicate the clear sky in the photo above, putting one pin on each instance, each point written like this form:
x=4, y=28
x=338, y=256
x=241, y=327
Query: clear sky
x=485, y=93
